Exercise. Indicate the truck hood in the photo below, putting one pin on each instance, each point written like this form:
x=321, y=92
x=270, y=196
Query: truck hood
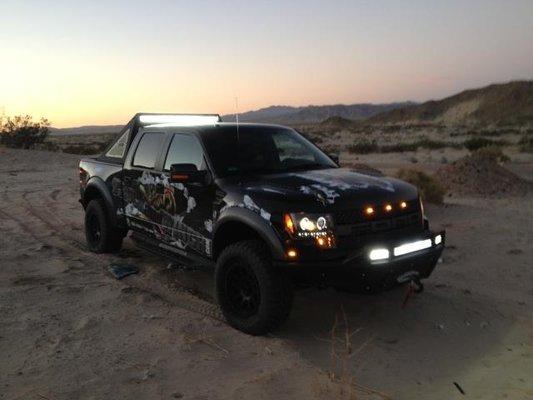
x=335, y=188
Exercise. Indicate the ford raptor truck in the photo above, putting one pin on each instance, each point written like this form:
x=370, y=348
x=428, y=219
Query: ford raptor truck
x=261, y=204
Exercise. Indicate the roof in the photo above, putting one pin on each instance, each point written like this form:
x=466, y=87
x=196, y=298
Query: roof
x=214, y=125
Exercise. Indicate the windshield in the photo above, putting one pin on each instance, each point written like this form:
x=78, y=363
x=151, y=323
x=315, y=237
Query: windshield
x=261, y=150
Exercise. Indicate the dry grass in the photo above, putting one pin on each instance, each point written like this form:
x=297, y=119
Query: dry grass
x=342, y=382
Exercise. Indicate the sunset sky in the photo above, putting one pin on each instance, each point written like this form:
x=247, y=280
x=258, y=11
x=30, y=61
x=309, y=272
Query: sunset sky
x=99, y=62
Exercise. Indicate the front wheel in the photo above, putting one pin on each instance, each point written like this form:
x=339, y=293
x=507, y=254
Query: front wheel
x=101, y=235
x=254, y=295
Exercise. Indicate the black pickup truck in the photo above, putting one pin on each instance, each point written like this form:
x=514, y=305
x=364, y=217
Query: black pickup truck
x=260, y=203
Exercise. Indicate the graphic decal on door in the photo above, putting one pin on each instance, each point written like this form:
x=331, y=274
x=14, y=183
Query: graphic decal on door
x=167, y=212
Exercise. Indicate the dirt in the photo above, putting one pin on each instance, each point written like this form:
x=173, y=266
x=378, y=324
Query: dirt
x=68, y=330
x=481, y=174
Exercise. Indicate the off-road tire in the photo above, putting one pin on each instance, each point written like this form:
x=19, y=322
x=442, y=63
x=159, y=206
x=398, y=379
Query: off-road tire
x=109, y=239
x=275, y=289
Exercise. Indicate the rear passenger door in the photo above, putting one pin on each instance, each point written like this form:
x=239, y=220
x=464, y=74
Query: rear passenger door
x=143, y=182
x=188, y=213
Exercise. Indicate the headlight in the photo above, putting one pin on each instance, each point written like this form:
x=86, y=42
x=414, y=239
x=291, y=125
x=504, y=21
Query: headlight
x=308, y=225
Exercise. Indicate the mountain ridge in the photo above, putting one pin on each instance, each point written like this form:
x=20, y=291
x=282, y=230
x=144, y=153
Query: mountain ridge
x=507, y=103
x=282, y=114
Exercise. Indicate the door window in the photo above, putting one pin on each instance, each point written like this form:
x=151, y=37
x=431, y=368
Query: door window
x=148, y=150
x=185, y=149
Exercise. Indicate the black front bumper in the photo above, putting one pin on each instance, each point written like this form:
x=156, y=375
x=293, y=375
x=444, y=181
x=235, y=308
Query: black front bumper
x=356, y=271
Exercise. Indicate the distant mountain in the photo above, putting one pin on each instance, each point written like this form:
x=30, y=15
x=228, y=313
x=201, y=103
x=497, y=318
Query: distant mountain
x=500, y=104
x=86, y=130
x=313, y=114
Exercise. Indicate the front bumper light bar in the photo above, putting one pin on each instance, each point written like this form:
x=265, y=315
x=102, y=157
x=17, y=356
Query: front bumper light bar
x=383, y=254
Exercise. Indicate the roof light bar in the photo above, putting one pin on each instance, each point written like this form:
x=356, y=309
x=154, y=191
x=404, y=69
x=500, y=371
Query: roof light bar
x=182, y=120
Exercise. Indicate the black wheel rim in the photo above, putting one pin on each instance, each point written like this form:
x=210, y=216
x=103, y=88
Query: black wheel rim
x=242, y=289
x=94, y=231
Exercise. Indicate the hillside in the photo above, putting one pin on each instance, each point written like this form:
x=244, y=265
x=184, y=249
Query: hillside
x=313, y=114
x=500, y=104
x=88, y=129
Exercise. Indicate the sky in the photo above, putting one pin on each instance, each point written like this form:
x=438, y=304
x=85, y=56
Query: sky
x=99, y=62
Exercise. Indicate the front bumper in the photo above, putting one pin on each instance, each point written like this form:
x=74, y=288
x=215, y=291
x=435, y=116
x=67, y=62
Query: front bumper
x=355, y=269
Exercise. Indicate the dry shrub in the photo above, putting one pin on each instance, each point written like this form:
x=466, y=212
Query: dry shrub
x=430, y=189
x=363, y=147
x=22, y=132
x=526, y=144
x=491, y=153
x=477, y=143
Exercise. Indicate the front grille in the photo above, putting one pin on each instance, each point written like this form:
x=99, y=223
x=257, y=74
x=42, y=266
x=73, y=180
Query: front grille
x=381, y=225
x=354, y=216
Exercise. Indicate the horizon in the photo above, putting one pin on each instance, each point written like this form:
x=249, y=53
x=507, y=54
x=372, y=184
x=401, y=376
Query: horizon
x=80, y=64
x=296, y=107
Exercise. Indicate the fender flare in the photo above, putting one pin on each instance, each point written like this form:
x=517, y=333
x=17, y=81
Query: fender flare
x=97, y=184
x=257, y=223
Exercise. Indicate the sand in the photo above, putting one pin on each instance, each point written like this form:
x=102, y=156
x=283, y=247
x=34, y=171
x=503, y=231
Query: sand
x=68, y=330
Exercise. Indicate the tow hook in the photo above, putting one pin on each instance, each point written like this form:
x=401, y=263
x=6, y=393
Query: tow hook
x=415, y=286
x=418, y=287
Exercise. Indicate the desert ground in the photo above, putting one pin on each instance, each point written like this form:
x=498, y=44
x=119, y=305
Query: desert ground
x=68, y=330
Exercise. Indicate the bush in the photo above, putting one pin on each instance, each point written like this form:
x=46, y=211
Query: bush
x=23, y=132
x=84, y=149
x=399, y=147
x=526, y=144
x=479, y=142
x=493, y=153
x=430, y=189
x=363, y=147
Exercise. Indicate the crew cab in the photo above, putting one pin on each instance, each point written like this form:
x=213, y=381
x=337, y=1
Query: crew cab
x=261, y=204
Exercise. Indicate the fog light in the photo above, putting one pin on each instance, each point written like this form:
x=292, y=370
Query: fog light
x=378, y=254
x=403, y=205
x=438, y=239
x=388, y=208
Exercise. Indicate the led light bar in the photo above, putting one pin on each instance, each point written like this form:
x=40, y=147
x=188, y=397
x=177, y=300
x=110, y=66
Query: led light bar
x=182, y=120
x=412, y=247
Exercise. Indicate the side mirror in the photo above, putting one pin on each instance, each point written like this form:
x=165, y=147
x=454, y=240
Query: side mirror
x=335, y=158
x=186, y=173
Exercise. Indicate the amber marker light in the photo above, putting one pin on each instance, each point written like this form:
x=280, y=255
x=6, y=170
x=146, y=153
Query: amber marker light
x=325, y=242
x=369, y=211
x=388, y=207
x=289, y=225
x=291, y=253
x=403, y=205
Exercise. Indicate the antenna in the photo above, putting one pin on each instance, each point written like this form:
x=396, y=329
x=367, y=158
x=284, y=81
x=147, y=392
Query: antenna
x=237, y=115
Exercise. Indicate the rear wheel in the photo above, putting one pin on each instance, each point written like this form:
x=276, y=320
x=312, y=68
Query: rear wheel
x=101, y=235
x=254, y=295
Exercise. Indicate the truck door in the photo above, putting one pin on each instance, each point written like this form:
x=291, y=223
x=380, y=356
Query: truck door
x=188, y=207
x=143, y=184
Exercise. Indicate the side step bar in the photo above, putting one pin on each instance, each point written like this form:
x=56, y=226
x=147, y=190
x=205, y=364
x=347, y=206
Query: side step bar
x=171, y=253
